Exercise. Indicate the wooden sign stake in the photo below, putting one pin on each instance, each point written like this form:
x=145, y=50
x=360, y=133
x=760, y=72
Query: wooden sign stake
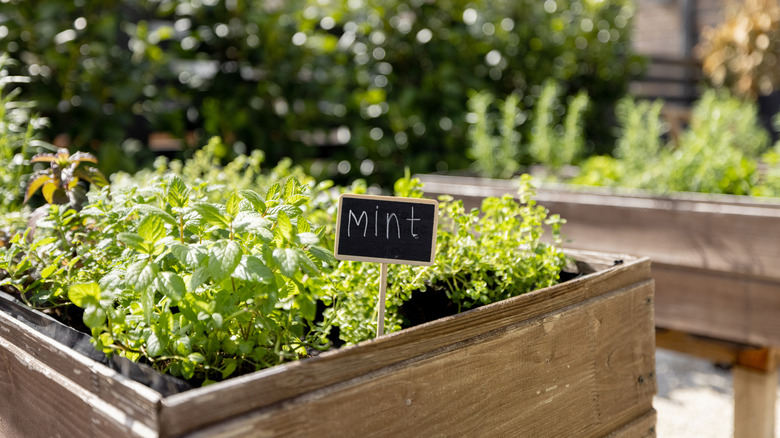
x=380, y=323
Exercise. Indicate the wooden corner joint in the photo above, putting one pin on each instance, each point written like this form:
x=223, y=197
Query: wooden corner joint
x=753, y=357
x=760, y=359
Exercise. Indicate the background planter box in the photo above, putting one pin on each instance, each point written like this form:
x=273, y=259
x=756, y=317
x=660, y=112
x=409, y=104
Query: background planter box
x=575, y=359
x=715, y=263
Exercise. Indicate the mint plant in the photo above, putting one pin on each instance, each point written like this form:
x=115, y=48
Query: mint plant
x=207, y=290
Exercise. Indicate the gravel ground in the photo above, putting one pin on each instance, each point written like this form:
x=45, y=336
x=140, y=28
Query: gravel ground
x=695, y=398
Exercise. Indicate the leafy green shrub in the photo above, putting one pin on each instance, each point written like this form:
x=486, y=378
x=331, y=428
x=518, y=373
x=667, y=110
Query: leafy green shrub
x=495, y=156
x=717, y=153
x=19, y=128
x=552, y=140
x=83, y=77
x=484, y=255
x=553, y=143
x=378, y=86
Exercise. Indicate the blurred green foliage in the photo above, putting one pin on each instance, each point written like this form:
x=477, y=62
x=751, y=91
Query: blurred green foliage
x=19, y=128
x=349, y=88
x=555, y=133
x=718, y=152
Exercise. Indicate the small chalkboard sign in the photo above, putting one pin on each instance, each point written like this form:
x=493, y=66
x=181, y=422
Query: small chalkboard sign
x=386, y=229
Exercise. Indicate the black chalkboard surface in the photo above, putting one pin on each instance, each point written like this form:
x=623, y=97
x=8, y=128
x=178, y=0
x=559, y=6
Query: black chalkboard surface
x=386, y=229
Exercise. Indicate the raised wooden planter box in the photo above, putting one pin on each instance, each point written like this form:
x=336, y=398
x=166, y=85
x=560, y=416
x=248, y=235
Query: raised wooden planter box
x=575, y=359
x=715, y=258
x=715, y=264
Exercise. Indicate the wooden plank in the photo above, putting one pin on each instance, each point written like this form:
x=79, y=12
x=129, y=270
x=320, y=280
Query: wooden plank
x=584, y=370
x=719, y=305
x=755, y=393
x=716, y=350
x=642, y=427
x=721, y=233
x=38, y=401
x=138, y=401
x=188, y=411
x=714, y=256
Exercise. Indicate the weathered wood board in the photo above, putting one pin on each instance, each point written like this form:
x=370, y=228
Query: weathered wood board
x=575, y=359
x=715, y=258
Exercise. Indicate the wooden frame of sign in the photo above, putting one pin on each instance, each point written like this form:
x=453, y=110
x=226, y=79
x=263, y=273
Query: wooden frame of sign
x=392, y=232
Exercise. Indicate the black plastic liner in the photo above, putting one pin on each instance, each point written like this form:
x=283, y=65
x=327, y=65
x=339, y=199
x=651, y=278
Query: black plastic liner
x=80, y=342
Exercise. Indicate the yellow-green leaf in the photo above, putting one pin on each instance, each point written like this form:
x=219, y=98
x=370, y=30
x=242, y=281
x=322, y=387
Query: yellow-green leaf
x=84, y=293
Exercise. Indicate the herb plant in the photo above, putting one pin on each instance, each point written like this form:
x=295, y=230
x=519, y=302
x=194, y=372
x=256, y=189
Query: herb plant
x=484, y=255
x=204, y=290
x=495, y=156
x=208, y=284
x=555, y=140
x=59, y=183
x=717, y=153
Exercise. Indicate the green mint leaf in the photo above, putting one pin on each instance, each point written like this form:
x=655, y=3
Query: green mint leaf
x=178, y=194
x=151, y=228
x=322, y=255
x=42, y=242
x=151, y=210
x=199, y=276
x=187, y=369
x=289, y=210
x=230, y=367
x=94, y=315
x=190, y=256
x=171, y=285
x=304, y=262
x=139, y=275
x=252, y=222
x=48, y=271
x=284, y=226
x=304, y=226
x=133, y=241
x=287, y=260
x=224, y=256
x=211, y=214
x=290, y=187
x=253, y=270
x=297, y=200
x=307, y=238
x=257, y=201
x=232, y=205
x=217, y=318
x=154, y=346
x=273, y=192
x=84, y=293
x=183, y=346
